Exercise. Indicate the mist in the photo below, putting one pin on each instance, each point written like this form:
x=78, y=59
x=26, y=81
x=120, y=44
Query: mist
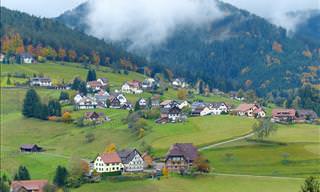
x=147, y=23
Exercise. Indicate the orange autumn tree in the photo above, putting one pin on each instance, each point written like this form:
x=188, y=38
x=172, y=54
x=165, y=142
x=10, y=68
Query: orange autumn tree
x=72, y=55
x=95, y=59
x=110, y=148
x=61, y=54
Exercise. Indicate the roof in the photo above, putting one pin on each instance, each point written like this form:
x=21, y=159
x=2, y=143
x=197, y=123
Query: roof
x=283, y=112
x=218, y=104
x=171, y=110
x=29, y=146
x=166, y=102
x=90, y=114
x=30, y=185
x=307, y=112
x=127, y=155
x=245, y=107
x=110, y=157
x=187, y=150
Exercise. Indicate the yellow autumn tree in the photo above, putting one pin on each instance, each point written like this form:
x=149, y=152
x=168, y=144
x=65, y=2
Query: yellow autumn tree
x=182, y=94
x=165, y=171
x=66, y=117
x=110, y=148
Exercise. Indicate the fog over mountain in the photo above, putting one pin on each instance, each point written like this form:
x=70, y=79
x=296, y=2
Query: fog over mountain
x=147, y=23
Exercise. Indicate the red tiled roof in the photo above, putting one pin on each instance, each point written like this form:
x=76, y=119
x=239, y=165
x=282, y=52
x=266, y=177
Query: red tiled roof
x=283, y=112
x=112, y=157
x=32, y=185
x=245, y=107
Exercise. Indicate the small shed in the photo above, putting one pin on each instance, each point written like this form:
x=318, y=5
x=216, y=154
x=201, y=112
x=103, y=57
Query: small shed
x=30, y=148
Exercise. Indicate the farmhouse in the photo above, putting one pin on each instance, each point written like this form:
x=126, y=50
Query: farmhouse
x=101, y=98
x=155, y=101
x=201, y=111
x=41, y=81
x=108, y=162
x=172, y=114
x=94, y=116
x=30, y=148
x=142, y=103
x=148, y=83
x=218, y=107
x=306, y=115
x=283, y=115
x=180, y=157
x=131, y=87
x=95, y=86
x=26, y=58
x=103, y=81
x=250, y=110
x=28, y=186
x=86, y=103
x=131, y=160
x=118, y=101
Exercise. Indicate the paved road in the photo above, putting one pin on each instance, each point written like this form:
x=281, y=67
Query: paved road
x=225, y=142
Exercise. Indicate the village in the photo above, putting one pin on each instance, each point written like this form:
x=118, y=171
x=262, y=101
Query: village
x=181, y=158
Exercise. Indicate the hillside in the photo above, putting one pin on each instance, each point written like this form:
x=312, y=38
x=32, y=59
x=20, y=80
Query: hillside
x=240, y=50
x=42, y=32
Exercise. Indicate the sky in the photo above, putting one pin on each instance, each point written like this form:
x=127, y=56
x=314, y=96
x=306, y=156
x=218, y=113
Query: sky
x=52, y=8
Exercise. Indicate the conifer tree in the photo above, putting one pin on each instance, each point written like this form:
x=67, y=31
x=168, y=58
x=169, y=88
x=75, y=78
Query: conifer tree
x=30, y=103
x=60, y=178
x=22, y=174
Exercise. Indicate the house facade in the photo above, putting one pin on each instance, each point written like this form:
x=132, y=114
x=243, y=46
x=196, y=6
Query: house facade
x=180, y=157
x=283, y=115
x=155, y=101
x=26, y=58
x=132, y=160
x=218, y=107
x=41, y=82
x=179, y=83
x=101, y=98
x=85, y=102
x=131, y=87
x=108, y=162
x=250, y=110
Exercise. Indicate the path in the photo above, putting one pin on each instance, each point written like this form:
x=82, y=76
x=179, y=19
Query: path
x=225, y=142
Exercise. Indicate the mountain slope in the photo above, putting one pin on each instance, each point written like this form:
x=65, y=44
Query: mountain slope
x=240, y=50
x=48, y=32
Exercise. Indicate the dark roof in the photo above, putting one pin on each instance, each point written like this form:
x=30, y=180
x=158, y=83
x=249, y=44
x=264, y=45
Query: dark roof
x=29, y=146
x=307, y=112
x=127, y=155
x=217, y=104
x=171, y=110
x=187, y=150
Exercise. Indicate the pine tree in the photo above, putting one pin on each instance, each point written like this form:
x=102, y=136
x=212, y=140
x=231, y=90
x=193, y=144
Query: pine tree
x=137, y=106
x=8, y=81
x=54, y=108
x=83, y=88
x=44, y=112
x=76, y=83
x=60, y=178
x=91, y=76
x=30, y=103
x=22, y=174
x=64, y=96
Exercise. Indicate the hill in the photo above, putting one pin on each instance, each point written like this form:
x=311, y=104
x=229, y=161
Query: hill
x=43, y=32
x=240, y=50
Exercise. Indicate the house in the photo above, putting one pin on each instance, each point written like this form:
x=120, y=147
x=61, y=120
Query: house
x=131, y=160
x=94, y=116
x=95, y=86
x=118, y=101
x=172, y=114
x=148, y=83
x=41, y=81
x=28, y=186
x=101, y=98
x=250, y=110
x=77, y=98
x=148, y=160
x=142, y=103
x=2, y=57
x=180, y=157
x=86, y=102
x=30, y=148
x=131, y=87
x=283, y=115
x=306, y=115
x=218, y=107
x=183, y=104
x=179, y=83
x=201, y=111
x=26, y=58
x=103, y=81
x=108, y=162
x=166, y=104
x=155, y=101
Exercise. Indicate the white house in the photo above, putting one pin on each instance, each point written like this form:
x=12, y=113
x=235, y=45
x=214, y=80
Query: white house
x=131, y=160
x=250, y=110
x=41, y=81
x=142, y=103
x=218, y=107
x=201, y=111
x=87, y=103
x=103, y=81
x=148, y=83
x=108, y=162
x=183, y=104
x=77, y=98
x=179, y=83
x=26, y=58
x=131, y=87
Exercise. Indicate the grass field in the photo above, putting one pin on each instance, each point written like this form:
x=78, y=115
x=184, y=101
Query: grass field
x=199, y=184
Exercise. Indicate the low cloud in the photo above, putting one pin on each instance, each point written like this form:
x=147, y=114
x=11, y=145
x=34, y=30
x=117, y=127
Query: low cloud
x=146, y=23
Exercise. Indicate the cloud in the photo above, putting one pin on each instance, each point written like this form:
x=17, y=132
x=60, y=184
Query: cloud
x=147, y=23
x=276, y=10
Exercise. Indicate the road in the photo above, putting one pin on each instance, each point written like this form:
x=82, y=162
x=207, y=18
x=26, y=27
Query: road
x=225, y=142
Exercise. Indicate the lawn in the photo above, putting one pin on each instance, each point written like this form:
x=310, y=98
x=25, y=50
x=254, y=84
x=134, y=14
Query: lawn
x=296, y=155
x=199, y=184
x=66, y=72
